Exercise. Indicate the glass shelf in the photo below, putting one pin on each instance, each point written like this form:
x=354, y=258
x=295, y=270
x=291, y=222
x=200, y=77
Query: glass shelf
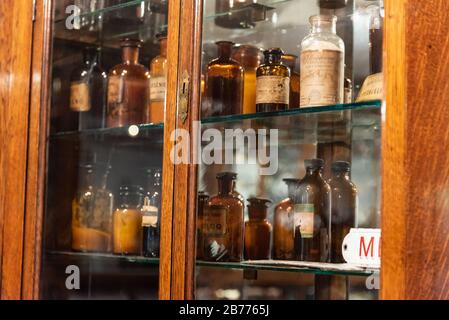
x=132, y=131
x=356, y=106
x=106, y=256
x=293, y=266
x=267, y=4
x=263, y=265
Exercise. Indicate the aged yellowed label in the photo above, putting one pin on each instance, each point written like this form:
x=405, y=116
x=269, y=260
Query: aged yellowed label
x=158, y=88
x=372, y=89
x=321, y=77
x=79, y=96
x=115, y=89
x=304, y=218
x=214, y=221
x=273, y=89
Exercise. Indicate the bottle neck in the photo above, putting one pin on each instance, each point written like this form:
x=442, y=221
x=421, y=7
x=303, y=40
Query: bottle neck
x=273, y=59
x=225, y=186
x=291, y=190
x=341, y=175
x=86, y=179
x=314, y=173
x=131, y=200
x=324, y=27
x=224, y=51
x=130, y=55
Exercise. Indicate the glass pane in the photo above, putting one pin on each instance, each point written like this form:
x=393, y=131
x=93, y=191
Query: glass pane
x=104, y=167
x=290, y=149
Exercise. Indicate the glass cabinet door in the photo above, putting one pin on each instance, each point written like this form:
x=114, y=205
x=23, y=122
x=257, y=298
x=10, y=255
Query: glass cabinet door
x=105, y=143
x=290, y=147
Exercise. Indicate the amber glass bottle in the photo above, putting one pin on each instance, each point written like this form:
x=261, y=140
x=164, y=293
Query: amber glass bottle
x=91, y=213
x=128, y=88
x=258, y=230
x=88, y=92
x=158, y=84
x=295, y=80
x=312, y=215
x=283, y=232
x=273, y=83
x=224, y=84
x=203, y=199
x=128, y=221
x=234, y=216
x=250, y=58
x=344, y=207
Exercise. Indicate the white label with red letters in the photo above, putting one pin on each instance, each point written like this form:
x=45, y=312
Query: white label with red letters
x=361, y=247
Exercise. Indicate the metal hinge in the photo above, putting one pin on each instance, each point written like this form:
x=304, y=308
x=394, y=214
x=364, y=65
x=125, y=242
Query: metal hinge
x=33, y=17
x=184, y=94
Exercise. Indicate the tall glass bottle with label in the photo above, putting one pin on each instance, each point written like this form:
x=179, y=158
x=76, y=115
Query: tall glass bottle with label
x=88, y=92
x=158, y=84
x=273, y=83
x=312, y=215
x=344, y=207
x=224, y=84
x=322, y=64
x=128, y=88
x=229, y=216
x=283, y=231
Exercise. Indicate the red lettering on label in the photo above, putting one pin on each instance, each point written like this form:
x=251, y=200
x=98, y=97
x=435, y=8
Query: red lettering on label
x=365, y=249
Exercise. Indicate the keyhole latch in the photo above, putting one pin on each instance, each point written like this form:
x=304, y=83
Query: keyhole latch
x=184, y=94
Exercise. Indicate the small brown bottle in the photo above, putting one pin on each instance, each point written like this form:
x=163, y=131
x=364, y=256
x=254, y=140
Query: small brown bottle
x=273, y=83
x=344, y=207
x=250, y=57
x=295, y=80
x=158, y=84
x=224, y=84
x=128, y=88
x=215, y=233
x=258, y=230
x=312, y=215
x=234, y=215
x=203, y=199
x=283, y=232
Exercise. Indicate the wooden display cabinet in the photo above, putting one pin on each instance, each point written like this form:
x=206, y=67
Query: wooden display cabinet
x=401, y=140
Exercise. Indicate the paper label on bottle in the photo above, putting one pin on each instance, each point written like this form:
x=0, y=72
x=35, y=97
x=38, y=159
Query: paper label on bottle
x=273, y=89
x=214, y=221
x=115, y=90
x=304, y=218
x=321, y=77
x=79, y=96
x=372, y=89
x=158, y=88
x=149, y=220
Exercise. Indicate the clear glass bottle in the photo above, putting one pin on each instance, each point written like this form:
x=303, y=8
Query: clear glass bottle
x=224, y=84
x=273, y=83
x=151, y=214
x=322, y=64
x=258, y=230
x=92, y=213
x=203, y=199
x=128, y=88
x=283, y=231
x=295, y=80
x=250, y=58
x=158, y=84
x=88, y=85
x=344, y=207
x=312, y=214
x=127, y=221
x=234, y=216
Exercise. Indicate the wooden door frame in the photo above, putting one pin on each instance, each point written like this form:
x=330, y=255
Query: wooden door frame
x=37, y=153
